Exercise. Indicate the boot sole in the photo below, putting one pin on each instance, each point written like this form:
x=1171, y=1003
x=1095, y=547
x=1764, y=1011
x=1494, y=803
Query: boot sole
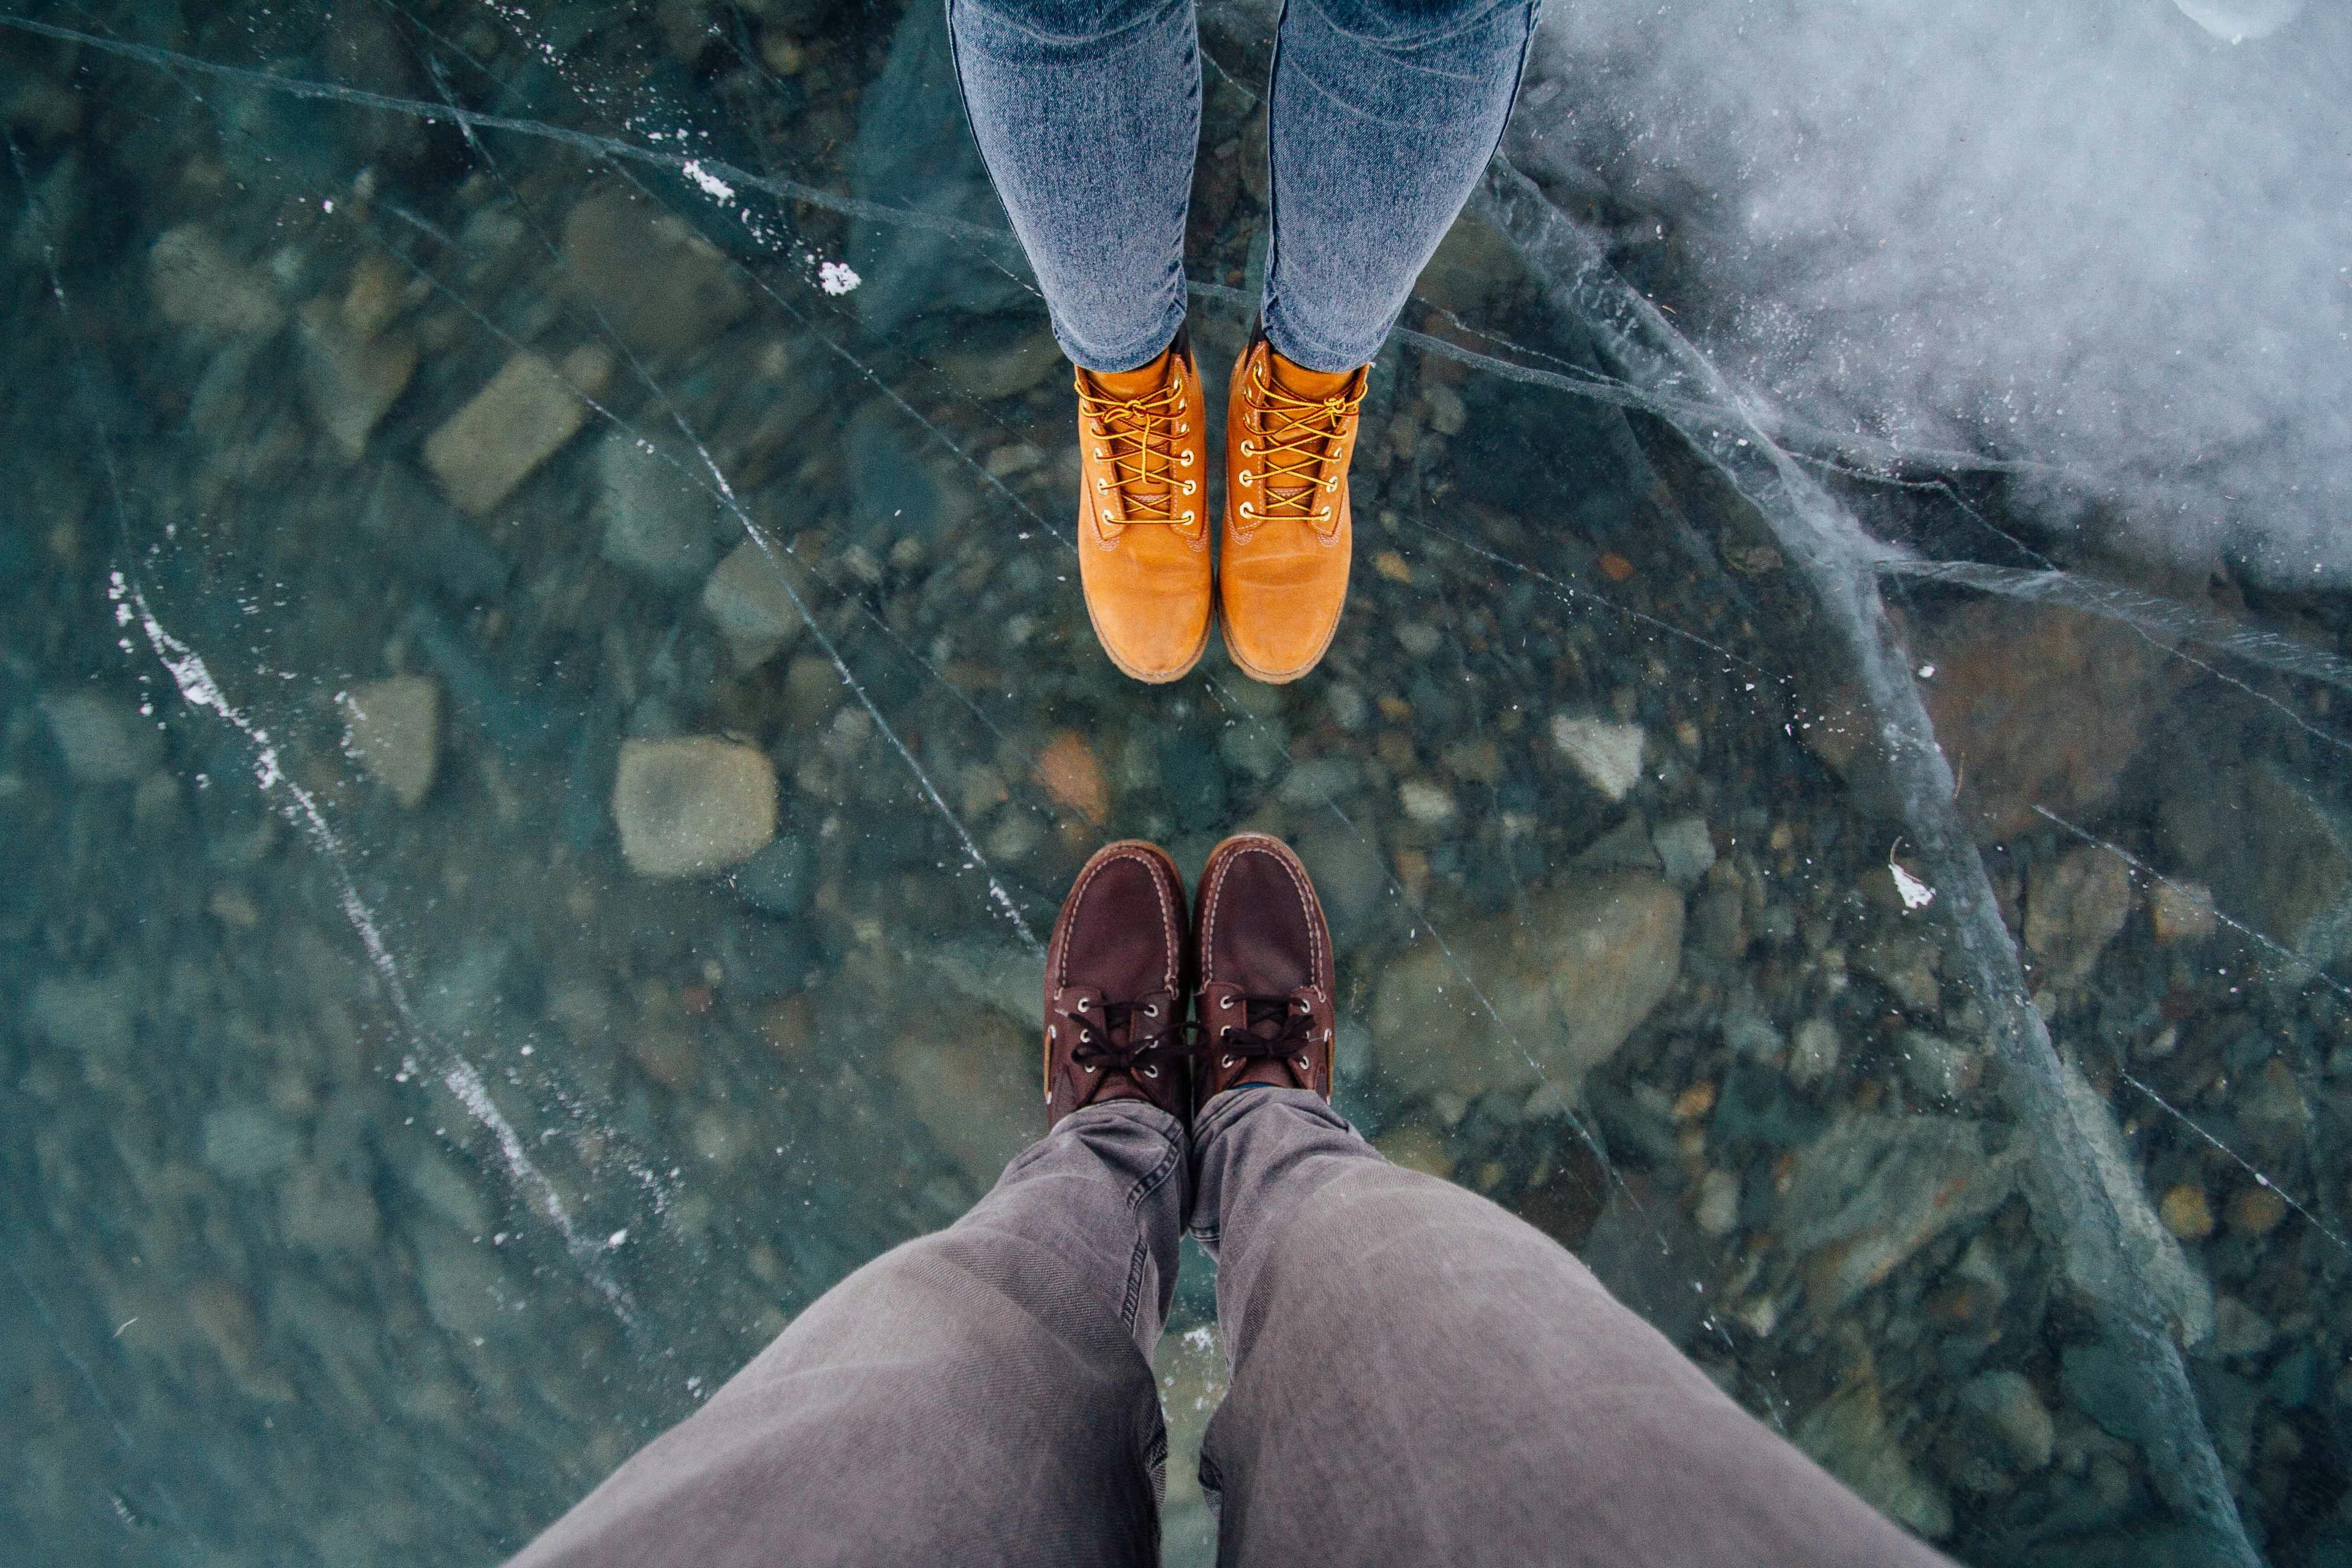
x=1326, y=965
x=1053, y=945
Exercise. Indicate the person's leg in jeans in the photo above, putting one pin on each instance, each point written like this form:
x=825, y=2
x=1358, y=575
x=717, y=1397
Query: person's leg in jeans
x=985, y=1394
x=1418, y=1377
x=1086, y=113
x=1383, y=114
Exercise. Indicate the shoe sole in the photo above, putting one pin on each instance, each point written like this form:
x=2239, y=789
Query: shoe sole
x=1053, y=944
x=1325, y=964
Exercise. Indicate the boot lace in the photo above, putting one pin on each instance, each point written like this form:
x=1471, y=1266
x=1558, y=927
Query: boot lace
x=1140, y=1039
x=1296, y=440
x=1138, y=437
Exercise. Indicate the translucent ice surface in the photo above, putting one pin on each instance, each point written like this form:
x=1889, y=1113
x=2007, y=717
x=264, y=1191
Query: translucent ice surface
x=545, y=713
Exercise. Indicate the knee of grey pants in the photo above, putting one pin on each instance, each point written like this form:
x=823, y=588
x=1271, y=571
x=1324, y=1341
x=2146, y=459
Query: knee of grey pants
x=1419, y=1378
x=1382, y=115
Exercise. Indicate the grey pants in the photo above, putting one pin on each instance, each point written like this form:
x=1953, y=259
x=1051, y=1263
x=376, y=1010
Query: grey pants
x=1419, y=1378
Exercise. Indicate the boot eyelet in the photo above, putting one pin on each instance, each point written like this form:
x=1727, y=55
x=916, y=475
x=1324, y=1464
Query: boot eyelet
x=1186, y=460
x=1229, y=1063
x=1102, y=484
x=1100, y=453
x=1151, y=1009
x=1303, y=1067
x=1150, y=1072
x=1242, y=478
x=1323, y=511
x=1245, y=510
x=1191, y=485
x=1089, y=1067
x=1332, y=483
x=1225, y=1002
x=1188, y=514
x=1051, y=1033
x=1245, y=448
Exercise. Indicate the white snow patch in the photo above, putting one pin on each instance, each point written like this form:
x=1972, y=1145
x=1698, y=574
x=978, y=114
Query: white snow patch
x=836, y=277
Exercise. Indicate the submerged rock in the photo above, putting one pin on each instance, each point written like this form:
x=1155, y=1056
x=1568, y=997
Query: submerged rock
x=958, y=1073
x=2073, y=908
x=1685, y=851
x=1848, y=1436
x=518, y=419
x=393, y=727
x=2276, y=851
x=1568, y=985
x=102, y=742
x=90, y=1015
x=2011, y=1410
x=197, y=284
x=1876, y=1189
x=658, y=521
x=661, y=286
x=750, y=599
x=350, y=378
x=245, y=1142
x=2045, y=706
x=694, y=805
x=1608, y=756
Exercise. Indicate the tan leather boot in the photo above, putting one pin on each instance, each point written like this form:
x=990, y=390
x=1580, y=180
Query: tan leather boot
x=1144, y=541
x=1287, y=532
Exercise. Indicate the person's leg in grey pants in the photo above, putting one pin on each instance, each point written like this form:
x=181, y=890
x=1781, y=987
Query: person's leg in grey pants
x=982, y=1395
x=1383, y=115
x=1419, y=1378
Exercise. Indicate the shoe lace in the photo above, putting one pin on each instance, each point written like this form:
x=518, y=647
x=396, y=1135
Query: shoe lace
x=1138, y=437
x=1140, y=1039
x=1297, y=440
x=1267, y=1028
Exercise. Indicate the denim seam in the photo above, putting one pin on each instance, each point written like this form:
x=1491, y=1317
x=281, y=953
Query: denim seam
x=1132, y=1302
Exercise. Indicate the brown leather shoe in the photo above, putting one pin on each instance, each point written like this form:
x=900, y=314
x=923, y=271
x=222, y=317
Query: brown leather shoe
x=1263, y=1000
x=1288, y=531
x=1115, y=985
x=1143, y=537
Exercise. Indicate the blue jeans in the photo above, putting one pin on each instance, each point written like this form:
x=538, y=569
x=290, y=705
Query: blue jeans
x=1383, y=115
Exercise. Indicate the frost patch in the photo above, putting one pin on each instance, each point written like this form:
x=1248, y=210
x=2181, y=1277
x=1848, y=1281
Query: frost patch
x=712, y=186
x=836, y=277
